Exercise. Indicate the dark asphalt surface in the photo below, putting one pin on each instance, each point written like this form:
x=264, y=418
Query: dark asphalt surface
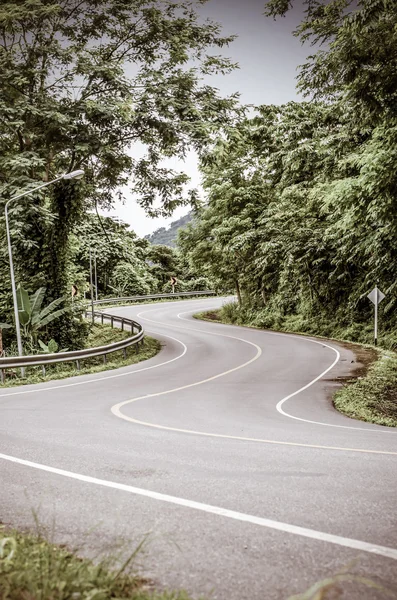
x=234, y=450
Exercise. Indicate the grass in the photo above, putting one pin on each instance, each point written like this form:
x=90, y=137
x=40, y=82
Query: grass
x=374, y=397
x=32, y=568
x=212, y=315
x=370, y=395
x=99, y=335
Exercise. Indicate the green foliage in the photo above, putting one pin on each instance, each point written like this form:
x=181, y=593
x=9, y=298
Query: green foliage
x=164, y=263
x=194, y=284
x=85, y=90
x=373, y=398
x=128, y=280
x=51, y=347
x=302, y=214
x=269, y=317
x=33, y=317
x=111, y=244
x=92, y=109
x=31, y=567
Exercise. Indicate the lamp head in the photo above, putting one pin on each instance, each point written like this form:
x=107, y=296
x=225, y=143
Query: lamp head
x=74, y=174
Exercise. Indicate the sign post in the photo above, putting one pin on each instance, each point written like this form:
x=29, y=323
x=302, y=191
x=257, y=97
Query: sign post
x=173, y=283
x=376, y=296
x=95, y=276
x=91, y=289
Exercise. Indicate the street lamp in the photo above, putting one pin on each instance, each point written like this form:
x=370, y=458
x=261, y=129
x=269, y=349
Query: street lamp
x=73, y=175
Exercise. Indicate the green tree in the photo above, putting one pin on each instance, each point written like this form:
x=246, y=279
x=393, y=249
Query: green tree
x=356, y=59
x=83, y=84
x=163, y=262
x=129, y=280
x=302, y=197
x=111, y=243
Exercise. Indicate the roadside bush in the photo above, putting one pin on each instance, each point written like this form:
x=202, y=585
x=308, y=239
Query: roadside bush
x=128, y=280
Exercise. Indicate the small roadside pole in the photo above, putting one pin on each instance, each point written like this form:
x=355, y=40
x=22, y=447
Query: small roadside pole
x=95, y=276
x=376, y=296
x=92, y=289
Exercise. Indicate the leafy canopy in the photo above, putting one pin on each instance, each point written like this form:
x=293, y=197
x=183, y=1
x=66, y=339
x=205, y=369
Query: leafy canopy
x=84, y=82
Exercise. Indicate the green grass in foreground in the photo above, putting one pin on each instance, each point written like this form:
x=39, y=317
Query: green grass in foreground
x=34, y=569
x=100, y=335
x=372, y=398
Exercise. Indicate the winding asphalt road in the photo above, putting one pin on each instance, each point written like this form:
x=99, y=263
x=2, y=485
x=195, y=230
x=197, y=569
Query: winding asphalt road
x=224, y=446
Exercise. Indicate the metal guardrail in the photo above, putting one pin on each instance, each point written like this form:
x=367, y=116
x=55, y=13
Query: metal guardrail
x=153, y=297
x=76, y=356
x=13, y=362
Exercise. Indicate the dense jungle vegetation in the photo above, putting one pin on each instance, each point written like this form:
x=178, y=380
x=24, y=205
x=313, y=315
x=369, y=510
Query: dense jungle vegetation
x=81, y=85
x=301, y=218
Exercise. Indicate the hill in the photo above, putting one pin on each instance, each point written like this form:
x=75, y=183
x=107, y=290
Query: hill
x=167, y=236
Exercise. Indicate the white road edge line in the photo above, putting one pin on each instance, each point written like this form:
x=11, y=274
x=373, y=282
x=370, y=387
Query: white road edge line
x=215, y=510
x=116, y=408
x=283, y=400
x=104, y=377
x=48, y=388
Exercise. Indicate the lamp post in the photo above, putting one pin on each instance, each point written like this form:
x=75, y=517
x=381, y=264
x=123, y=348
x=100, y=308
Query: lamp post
x=73, y=175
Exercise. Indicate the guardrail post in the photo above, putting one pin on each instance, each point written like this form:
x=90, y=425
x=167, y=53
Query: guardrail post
x=102, y=318
x=104, y=359
x=43, y=369
x=132, y=327
x=137, y=348
x=78, y=365
x=122, y=324
x=111, y=321
x=2, y=375
x=125, y=353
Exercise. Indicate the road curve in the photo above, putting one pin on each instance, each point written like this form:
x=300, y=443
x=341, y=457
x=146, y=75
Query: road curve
x=224, y=448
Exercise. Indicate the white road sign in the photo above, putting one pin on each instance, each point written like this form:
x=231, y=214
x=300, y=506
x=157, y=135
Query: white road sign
x=376, y=296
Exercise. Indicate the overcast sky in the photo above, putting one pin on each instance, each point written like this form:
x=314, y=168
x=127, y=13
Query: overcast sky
x=268, y=56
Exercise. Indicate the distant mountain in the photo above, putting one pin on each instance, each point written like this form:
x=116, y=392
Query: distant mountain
x=167, y=236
